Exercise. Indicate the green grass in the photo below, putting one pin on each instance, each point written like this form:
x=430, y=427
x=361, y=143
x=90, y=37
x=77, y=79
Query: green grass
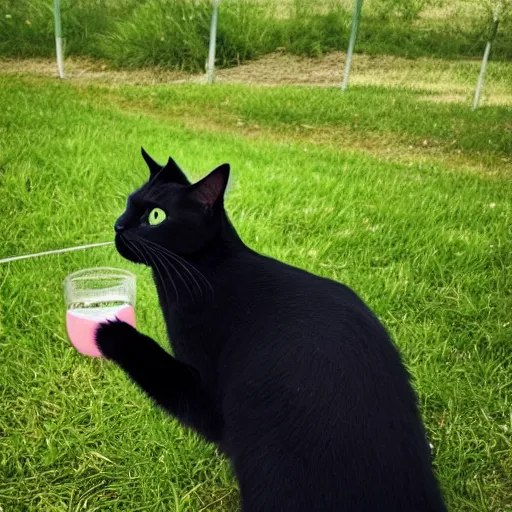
x=426, y=246
x=447, y=126
x=175, y=33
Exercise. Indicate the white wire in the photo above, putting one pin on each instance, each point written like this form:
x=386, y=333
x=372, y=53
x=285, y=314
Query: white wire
x=56, y=251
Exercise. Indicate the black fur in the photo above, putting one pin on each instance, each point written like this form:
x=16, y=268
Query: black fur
x=290, y=374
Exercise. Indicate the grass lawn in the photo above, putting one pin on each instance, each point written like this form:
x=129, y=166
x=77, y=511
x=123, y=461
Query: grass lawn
x=342, y=185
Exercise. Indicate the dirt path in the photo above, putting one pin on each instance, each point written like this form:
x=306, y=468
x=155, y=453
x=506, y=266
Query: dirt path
x=444, y=80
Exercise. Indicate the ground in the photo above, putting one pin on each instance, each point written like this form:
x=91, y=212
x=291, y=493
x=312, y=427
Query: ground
x=395, y=187
x=448, y=80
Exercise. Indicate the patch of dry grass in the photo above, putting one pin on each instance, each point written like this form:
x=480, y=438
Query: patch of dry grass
x=446, y=81
x=85, y=71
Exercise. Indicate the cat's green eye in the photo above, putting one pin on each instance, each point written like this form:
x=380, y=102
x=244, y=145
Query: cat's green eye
x=156, y=216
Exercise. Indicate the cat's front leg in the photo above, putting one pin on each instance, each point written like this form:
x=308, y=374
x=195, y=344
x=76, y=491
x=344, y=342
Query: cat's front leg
x=173, y=385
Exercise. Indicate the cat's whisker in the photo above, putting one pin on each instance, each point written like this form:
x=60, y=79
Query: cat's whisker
x=168, y=258
x=155, y=248
x=131, y=245
x=175, y=256
x=184, y=263
x=158, y=264
x=167, y=271
x=156, y=261
x=151, y=263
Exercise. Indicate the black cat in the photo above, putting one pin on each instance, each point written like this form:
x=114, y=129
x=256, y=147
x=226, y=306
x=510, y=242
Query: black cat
x=290, y=374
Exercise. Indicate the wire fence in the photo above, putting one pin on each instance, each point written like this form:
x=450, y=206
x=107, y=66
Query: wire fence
x=200, y=34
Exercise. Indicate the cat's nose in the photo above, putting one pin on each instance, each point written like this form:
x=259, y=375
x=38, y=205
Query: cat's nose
x=118, y=227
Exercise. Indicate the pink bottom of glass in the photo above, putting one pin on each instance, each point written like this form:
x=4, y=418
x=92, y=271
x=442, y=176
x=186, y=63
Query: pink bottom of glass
x=81, y=325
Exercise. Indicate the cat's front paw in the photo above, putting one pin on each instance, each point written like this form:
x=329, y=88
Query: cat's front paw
x=113, y=338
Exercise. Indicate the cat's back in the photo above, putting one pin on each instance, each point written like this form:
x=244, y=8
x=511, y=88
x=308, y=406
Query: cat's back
x=313, y=344
x=315, y=387
x=292, y=302
x=300, y=325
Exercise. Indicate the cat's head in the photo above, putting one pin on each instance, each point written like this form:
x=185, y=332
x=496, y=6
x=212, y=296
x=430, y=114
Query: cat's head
x=168, y=213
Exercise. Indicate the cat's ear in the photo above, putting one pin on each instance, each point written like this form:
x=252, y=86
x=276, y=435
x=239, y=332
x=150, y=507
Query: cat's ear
x=170, y=171
x=154, y=167
x=173, y=173
x=210, y=190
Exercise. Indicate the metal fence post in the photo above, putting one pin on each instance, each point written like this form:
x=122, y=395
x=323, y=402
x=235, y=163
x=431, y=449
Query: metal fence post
x=352, y=42
x=58, y=38
x=213, y=40
x=483, y=67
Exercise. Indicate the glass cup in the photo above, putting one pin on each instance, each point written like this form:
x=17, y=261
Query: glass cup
x=93, y=296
